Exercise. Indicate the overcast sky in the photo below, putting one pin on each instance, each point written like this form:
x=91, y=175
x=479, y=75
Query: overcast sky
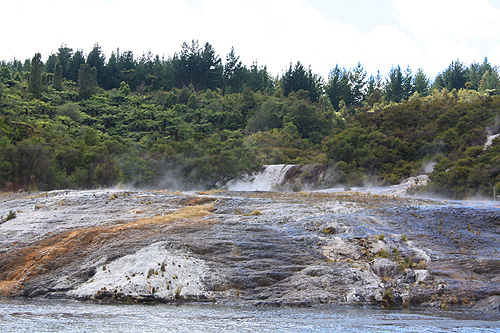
x=426, y=34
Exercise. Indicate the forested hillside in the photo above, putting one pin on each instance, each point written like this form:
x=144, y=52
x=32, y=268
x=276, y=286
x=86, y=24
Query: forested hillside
x=193, y=120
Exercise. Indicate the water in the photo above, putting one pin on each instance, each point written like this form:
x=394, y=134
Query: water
x=268, y=179
x=68, y=316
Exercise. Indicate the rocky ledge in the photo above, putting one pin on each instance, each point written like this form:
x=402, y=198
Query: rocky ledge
x=262, y=248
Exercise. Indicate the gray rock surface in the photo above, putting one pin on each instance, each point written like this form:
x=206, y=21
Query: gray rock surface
x=262, y=248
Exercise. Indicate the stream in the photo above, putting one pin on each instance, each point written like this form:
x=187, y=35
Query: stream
x=71, y=316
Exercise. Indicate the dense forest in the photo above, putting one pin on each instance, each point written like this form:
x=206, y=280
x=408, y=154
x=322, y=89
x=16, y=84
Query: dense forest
x=193, y=120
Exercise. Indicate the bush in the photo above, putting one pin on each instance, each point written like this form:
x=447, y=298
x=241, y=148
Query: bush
x=10, y=216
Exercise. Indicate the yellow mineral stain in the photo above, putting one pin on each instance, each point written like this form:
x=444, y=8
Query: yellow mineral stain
x=26, y=263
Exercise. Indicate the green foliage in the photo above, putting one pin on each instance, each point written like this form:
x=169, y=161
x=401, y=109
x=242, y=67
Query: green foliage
x=338, y=87
x=394, y=87
x=421, y=83
x=10, y=216
x=234, y=73
x=454, y=77
x=57, y=79
x=192, y=121
x=382, y=253
x=36, y=81
x=348, y=87
x=298, y=78
x=391, y=144
x=198, y=66
x=87, y=81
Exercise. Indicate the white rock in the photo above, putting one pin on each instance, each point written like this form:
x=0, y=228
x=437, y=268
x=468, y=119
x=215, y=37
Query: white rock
x=421, y=274
x=153, y=270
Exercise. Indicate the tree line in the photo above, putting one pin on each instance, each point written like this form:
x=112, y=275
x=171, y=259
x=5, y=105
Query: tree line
x=200, y=67
x=83, y=121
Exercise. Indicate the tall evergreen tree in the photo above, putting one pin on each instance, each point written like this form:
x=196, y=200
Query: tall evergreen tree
x=57, y=80
x=162, y=72
x=394, y=85
x=87, y=81
x=50, y=64
x=64, y=54
x=36, y=84
x=298, y=78
x=97, y=59
x=258, y=78
x=357, y=83
x=421, y=83
x=113, y=75
x=127, y=65
x=77, y=60
x=211, y=69
x=408, y=84
x=474, y=76
x=338, y=88
x=454, y=77
x=199, y=67
x=144, y=72
x=374, y=89
x=234, y=73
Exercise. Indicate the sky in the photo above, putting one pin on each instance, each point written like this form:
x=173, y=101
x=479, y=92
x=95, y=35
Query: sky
x=380, y=34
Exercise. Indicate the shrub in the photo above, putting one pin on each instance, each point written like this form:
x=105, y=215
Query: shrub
x=382, y=253
x=257, y=212
x=10, y=216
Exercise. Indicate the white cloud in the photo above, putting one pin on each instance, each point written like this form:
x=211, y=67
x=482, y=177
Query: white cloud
x=388, y=46
x=431, y=33
x=461, y=19
x=446, y=30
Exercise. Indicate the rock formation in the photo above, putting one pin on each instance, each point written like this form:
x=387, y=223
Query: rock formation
x=262, y=248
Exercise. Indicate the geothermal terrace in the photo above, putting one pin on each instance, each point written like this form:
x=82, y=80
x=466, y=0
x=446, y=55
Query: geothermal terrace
x=260, y=248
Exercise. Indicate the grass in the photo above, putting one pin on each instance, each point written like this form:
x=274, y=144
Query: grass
x=388, y=300
x=10, y=216
x=383, y=253
x=256, y=212
x=329, y=230
x=396, y=253
x=177, y=291
x=184, y=213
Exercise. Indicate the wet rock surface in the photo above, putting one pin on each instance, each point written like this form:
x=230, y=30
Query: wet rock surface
x=262, y=248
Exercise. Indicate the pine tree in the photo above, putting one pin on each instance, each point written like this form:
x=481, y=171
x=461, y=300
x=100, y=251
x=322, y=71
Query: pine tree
x=338, y=88
x=64, y=55
x=234, y=72
x=374, y=89
x=87, y=81
x=74, y=65
x=394, y=86
x=298, y=78
x=258, y=78
x=421, y=83
x=357, y=84
x=96, y=59
x=454, y=77
x=57, y=81
x=199, y=67
x=408, y=87
x=36, y=84
x=113, y=75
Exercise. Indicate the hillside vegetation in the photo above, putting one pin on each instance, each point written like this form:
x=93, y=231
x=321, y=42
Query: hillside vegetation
x=84, y=121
